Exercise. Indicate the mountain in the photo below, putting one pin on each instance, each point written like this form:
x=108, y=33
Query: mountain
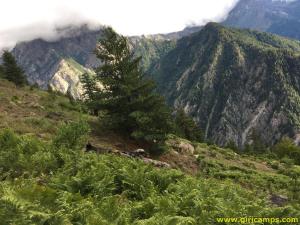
x=66, y=79
x=177, y=35
x=276, y=16
x=41, y=59
x=234, y=82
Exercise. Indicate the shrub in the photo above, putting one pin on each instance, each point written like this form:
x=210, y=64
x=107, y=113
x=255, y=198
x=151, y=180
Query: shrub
x=286, y=148
x=72, y=135
x=20, y=155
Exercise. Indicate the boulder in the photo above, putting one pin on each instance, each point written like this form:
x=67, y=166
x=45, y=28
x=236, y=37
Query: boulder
x=181, y=145
x=279, y=200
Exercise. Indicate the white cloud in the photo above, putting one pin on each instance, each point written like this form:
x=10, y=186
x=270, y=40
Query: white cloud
x=26, y=20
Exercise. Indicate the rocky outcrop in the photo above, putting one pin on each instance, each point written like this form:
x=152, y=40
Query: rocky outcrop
x=40, y=59
x=136, y=154
x=234, y=82
x=179, y=145
x=66, y=79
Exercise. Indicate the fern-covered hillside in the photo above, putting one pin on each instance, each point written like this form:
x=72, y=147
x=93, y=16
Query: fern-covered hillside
x=47, y=177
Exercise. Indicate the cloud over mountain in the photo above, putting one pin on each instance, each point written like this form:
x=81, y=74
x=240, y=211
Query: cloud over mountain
x=30, y=19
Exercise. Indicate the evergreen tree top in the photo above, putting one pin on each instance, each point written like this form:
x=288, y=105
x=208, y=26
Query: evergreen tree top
x=11, y=70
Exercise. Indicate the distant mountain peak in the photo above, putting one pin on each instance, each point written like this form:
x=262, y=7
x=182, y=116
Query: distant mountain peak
x=275, y=16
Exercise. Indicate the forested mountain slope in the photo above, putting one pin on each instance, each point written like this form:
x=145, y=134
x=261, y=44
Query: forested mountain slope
x=234, y=82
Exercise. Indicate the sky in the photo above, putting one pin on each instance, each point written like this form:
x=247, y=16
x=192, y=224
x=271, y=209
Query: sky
x=25, y=20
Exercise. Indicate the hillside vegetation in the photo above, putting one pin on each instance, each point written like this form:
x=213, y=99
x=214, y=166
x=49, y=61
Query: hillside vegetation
x=234, y=83
x=46, y=177
x=65, y=161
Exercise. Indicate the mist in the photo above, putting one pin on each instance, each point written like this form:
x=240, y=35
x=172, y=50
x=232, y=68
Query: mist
x=31, y=19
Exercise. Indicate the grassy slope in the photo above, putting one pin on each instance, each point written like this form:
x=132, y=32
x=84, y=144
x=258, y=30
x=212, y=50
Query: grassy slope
x=38, y=113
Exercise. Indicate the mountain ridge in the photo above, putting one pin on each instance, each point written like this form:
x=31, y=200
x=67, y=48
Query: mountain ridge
x=278, y=17
x=234, y=82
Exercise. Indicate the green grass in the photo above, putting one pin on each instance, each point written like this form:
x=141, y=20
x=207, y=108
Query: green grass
x=46, y=178
x=76, y=65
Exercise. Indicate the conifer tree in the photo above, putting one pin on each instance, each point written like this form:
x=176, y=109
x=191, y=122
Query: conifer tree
x=257, y=145
x=186, y=126
x=1, y=71
x=131, y=105
x=287, y=148
x=12, y=71
x=90, y=92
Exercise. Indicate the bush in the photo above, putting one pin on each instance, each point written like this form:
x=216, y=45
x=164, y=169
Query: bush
x=21, y=155
x=186, y=127
x=72, y=136
x=286, y=148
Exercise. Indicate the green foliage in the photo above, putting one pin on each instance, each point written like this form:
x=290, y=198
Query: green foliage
x=72, y=135
x=23, y=156
x=257, y=145
x=107, y=189
x=231, y=145
x=127, y=100
x=151, y=49
x=287, y=148
x=1, y=72
x=91, y=89
x=209, y=72
x=186, y=127
x=12, y=71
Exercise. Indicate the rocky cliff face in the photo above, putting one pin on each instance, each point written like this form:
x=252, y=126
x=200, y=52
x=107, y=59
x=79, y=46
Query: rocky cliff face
x=276, y=16
x=66, y=78
x=40, y=58
x=234, y=82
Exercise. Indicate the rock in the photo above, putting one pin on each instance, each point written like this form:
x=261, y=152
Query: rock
x=181, y=145
x=66, y=80
x=100, y=150
x=140, y=152
x=279, y=200
x=36, y=105
x=187, y=147
x=156, y=163
x=276, y=16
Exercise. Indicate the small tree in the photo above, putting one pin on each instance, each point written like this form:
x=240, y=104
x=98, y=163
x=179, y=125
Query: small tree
x=72, y=136
x=257, y=145
x=287, y=148
x=12, y=71
x=128, y=99
x=90, y=88
x=186, y=127
x=1, y=72
x=232, y=145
